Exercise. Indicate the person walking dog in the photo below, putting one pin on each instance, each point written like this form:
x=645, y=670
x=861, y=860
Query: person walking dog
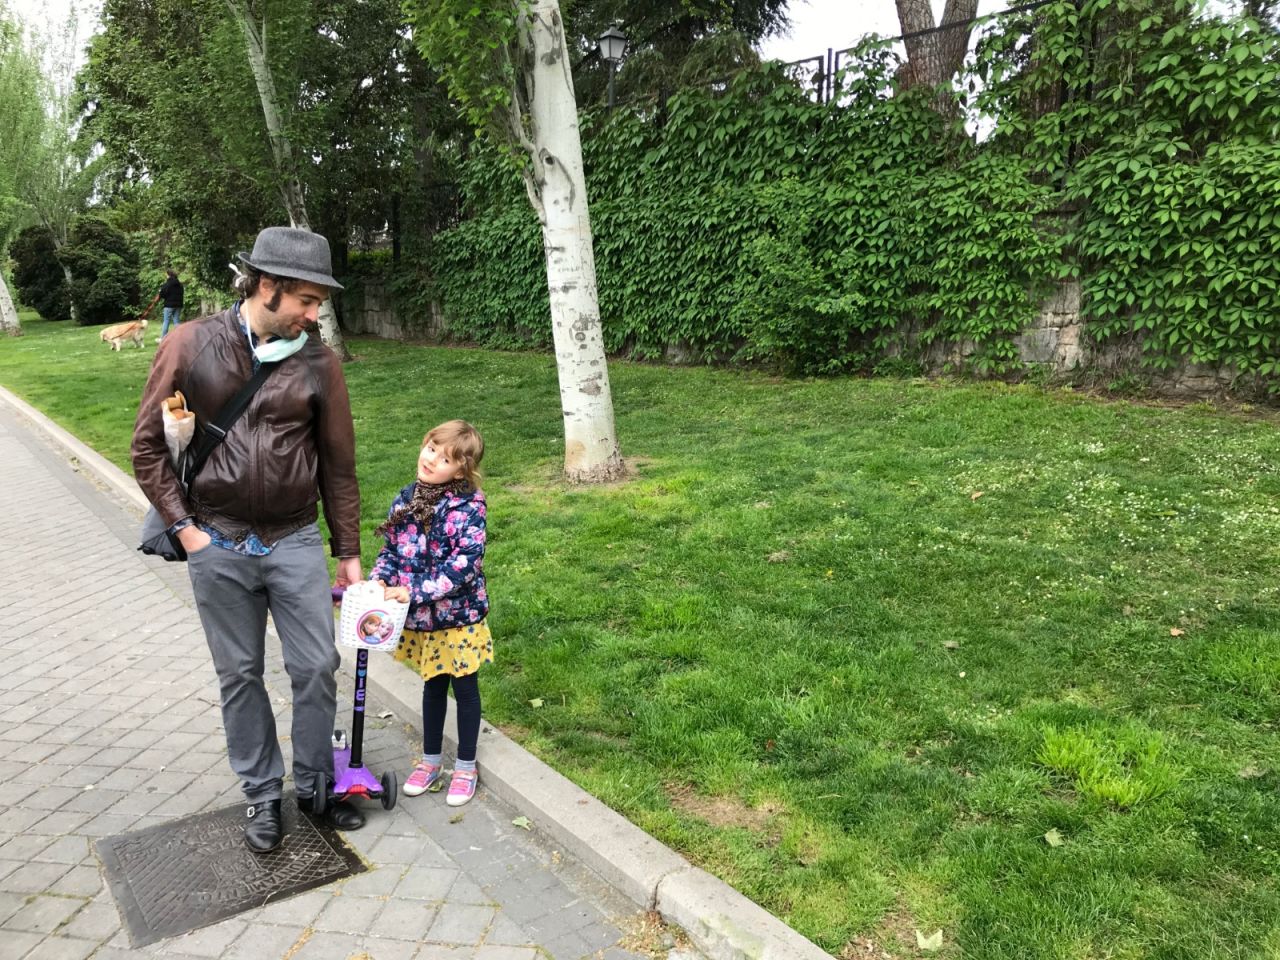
x=248, y=521
x=171, y=294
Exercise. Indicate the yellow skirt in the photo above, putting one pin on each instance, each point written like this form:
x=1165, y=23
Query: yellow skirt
x=458, y=651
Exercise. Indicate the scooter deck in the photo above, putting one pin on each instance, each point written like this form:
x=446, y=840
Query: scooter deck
x=352, y=781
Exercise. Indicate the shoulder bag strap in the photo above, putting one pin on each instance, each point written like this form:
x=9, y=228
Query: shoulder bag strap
x=214, y=433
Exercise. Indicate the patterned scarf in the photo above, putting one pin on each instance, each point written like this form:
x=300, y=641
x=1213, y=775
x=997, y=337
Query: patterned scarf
x=422, y=504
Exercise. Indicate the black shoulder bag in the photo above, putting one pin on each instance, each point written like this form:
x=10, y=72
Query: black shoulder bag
x=156, y=539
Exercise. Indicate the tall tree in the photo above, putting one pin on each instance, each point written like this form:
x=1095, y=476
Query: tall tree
x=289, y=184
x=59, y=183
x=171, y=107
x=55, y=180
x=178, y=105
x=508, y=63
x=22, y=120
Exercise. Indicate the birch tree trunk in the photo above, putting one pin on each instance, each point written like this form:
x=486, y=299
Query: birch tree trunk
x=9, y=322
x=557, y=189
x=66, y=273
x=291, y=193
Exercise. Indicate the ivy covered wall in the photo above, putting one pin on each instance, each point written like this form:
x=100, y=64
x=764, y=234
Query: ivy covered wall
x=1128, y=145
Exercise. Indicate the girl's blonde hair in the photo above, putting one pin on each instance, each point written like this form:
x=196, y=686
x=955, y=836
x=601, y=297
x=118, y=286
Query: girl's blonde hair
x=463, y=444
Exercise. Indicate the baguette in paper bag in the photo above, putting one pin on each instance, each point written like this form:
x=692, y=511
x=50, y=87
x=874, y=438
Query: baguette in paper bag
x=179, y=425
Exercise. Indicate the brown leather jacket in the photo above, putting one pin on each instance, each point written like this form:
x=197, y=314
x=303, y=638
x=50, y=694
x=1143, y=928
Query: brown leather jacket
x=294, y=445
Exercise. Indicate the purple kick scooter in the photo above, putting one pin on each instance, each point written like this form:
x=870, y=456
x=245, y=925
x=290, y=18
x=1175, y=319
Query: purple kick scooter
x=351, y=779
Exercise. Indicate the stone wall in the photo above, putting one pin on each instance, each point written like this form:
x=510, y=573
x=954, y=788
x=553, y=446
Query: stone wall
x=1055, y=341
x=370, y=309
x=1055, y=337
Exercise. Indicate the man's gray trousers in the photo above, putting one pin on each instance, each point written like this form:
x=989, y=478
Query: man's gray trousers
x=233, y=594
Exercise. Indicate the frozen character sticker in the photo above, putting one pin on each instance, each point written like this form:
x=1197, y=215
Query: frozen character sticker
x=375, y=628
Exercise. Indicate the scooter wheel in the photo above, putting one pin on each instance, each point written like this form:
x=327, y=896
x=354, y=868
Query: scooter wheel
x=320, y=799
x=389, y=788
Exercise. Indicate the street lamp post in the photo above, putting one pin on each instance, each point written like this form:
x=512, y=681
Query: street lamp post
x=613, y=47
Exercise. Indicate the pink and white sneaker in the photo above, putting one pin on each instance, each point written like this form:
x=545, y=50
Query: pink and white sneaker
x=462, y=787
x=425, y=776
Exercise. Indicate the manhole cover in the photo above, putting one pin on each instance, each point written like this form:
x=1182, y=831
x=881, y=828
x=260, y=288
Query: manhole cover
x=171, y=879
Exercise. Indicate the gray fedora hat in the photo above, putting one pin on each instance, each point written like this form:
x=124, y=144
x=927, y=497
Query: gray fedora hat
x=290, y=252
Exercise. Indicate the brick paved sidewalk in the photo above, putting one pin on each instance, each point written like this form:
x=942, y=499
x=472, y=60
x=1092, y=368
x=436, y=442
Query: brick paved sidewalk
x=109, y=722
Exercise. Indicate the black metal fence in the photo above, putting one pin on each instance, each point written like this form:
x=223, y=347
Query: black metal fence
x=820, y=74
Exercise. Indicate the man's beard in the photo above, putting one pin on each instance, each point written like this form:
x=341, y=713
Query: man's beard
x=273, y=326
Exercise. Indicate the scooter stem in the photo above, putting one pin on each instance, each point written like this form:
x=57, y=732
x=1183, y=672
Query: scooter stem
x=357, y=710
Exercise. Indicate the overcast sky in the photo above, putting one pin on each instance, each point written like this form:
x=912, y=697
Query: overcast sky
x=48, y=17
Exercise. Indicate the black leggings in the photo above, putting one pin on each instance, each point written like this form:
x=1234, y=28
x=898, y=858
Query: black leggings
x=435, y=703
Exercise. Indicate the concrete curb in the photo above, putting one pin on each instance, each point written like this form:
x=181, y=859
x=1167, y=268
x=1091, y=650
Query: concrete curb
x=80, y=454
x=720, y=922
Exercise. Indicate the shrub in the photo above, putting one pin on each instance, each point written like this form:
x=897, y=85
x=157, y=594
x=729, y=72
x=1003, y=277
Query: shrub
x=37, y=275
x=104, y=272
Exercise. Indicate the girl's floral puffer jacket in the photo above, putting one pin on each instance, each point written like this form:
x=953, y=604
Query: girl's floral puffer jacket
x=443, y=567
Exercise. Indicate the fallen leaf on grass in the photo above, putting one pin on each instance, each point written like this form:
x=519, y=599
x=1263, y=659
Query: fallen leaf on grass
x=1054, y=838
x=1175, y=632
x=951, y=644
x=522, y=822
x=780, y=556
x=1250, y=772
x=931, y=942
x=976, y=494
x=536, y=702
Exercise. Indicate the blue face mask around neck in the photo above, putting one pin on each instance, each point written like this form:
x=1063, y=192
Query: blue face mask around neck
x=273, y=351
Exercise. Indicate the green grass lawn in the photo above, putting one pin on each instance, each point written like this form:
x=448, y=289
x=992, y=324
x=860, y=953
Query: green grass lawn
x=885, y=655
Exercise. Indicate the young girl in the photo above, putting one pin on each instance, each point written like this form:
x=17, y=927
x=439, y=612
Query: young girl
x=434, y=561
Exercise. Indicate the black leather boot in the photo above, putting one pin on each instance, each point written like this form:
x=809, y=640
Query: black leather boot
x=264, y=829
x=343, y=816
x=338, y=814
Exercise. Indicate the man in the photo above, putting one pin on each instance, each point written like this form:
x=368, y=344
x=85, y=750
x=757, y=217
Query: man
x=171, y=294
x=248, y=523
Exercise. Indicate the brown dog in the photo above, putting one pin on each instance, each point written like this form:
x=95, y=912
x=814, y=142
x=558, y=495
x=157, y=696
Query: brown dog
x=118, y=333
